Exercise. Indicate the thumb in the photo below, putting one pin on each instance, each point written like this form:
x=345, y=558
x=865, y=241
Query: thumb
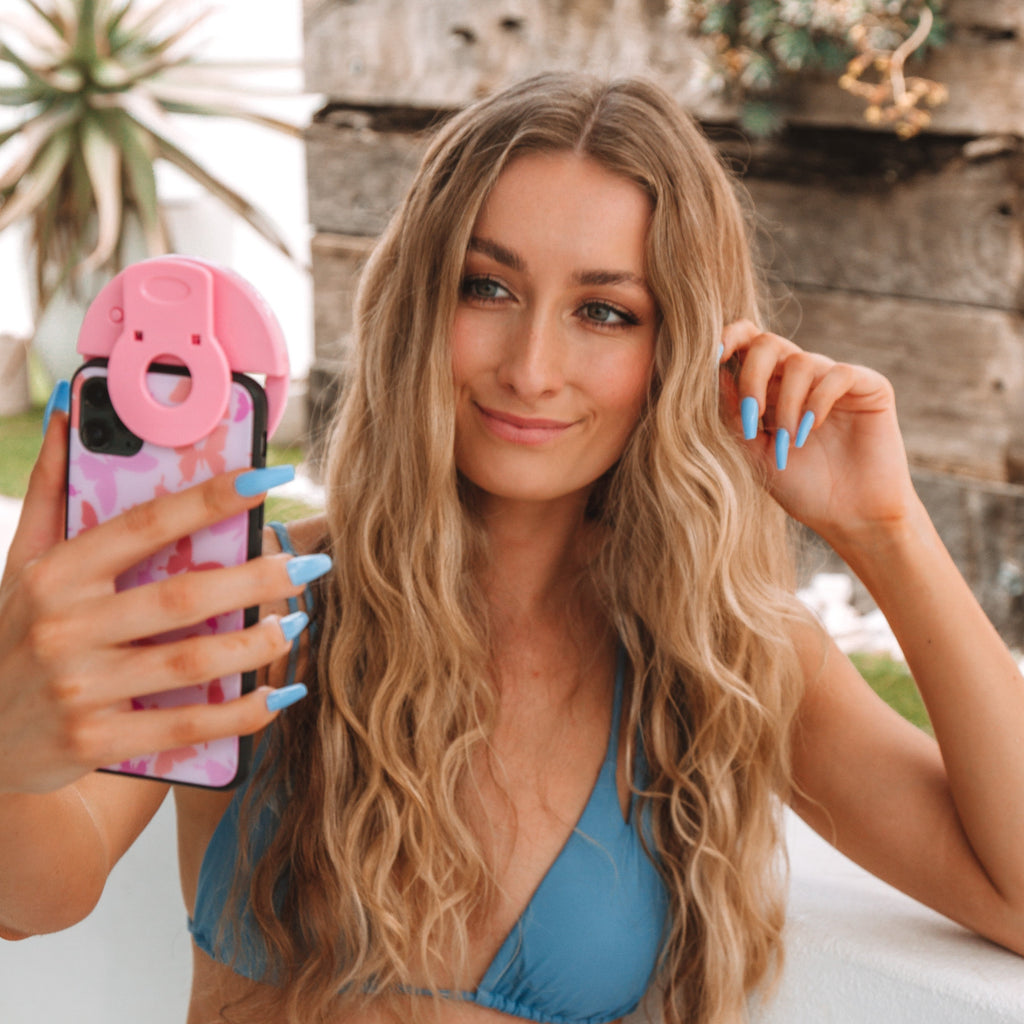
x=42, y=515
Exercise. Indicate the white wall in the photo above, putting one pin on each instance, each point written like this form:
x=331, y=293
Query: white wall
x=266, y=167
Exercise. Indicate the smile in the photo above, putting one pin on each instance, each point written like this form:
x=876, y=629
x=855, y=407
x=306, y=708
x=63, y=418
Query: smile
x=519, y=430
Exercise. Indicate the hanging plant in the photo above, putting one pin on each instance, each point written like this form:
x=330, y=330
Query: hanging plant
x=758, y=45
x=96, y=83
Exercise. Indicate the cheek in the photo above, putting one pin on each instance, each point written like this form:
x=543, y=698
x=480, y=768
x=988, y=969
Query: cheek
x=470, y=350
x=626, y=388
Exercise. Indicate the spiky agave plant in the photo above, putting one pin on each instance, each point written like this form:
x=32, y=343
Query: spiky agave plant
x=96, y=82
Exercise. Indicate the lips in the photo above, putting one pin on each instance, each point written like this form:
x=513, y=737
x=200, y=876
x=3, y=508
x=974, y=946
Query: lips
x=521, y=430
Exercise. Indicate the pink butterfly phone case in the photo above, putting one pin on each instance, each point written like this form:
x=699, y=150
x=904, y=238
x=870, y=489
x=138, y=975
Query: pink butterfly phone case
x=111, y=469
x=162, y=404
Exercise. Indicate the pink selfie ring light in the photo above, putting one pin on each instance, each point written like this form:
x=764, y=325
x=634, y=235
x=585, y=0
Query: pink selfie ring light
x=183, y=310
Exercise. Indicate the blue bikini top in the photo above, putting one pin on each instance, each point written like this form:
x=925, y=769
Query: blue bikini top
x=582, y=952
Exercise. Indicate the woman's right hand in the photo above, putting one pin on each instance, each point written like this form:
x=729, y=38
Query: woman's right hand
x=68, y=667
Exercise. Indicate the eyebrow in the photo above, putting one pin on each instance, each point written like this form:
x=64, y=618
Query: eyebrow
x=508, y=258
x=601, y=277
x=497, y=252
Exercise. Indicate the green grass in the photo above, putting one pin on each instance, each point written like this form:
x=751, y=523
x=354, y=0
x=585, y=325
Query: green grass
x=21, y=436
x=892, y=681
x=284, y=510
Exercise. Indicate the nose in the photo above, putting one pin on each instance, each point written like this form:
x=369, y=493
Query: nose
x=533, y=362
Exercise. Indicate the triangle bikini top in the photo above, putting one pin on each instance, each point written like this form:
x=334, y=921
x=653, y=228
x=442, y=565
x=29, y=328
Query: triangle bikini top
x=582, y=952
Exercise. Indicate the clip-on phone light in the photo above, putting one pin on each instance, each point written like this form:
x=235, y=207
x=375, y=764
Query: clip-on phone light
x=183, y=310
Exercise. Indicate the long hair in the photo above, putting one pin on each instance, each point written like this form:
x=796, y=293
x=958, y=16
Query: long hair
x=376, y=871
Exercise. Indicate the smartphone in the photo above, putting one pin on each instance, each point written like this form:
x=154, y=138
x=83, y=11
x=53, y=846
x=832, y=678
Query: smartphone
x=111, y=469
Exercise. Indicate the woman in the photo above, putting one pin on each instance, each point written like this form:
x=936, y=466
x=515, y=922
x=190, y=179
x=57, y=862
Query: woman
x=559, y=680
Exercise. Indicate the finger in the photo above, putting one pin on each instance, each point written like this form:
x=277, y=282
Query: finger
x=800, y=373
x=128, y=734
x=59, y=401
x=107, y=550
x=195, y=660
x=841, y=379
x=761, y=359
x=192, y=597
x=41, y=525
x=737, y=335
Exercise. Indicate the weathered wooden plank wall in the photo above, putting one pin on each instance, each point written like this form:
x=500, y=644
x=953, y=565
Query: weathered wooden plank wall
x=442, y=54
x=907, y=256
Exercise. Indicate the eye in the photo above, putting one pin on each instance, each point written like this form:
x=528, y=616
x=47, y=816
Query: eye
x=484, y=289
x=607, y=315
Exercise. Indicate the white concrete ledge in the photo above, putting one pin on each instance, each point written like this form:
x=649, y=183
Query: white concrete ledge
x=859, y=952
x=129, y=962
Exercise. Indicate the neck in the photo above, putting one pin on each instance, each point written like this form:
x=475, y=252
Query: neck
x=549, y=634
x=537, y=550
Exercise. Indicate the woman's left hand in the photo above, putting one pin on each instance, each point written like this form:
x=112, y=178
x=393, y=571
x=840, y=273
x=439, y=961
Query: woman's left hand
x=832, y=426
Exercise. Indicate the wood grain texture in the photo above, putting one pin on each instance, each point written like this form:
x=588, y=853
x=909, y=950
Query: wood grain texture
x=949, y=234
x=337, y=263
x=958, y=370
x=359, y=174
x=997, y=16
x=444, y=54
x=447, y=53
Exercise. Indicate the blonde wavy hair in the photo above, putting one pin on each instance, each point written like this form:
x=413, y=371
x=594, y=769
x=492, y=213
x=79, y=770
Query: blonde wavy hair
x=376, y=871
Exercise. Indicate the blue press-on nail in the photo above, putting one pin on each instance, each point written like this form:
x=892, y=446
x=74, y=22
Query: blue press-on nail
x=60, y=398
x=781, y=448
x=278, y=700
x=750, y=414
x=804, y=429
x=256, y=481
x=292, y=625
x=306, y=568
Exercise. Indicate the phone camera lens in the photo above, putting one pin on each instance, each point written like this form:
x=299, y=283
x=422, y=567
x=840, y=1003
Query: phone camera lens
x=96, y=435
x=95, y=394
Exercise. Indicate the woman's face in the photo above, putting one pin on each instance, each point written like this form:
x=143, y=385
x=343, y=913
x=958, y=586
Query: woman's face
x=554, y=334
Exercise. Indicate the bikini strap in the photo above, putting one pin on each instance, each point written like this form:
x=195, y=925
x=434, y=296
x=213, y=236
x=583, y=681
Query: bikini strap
x=293, y=604
x=620, y=676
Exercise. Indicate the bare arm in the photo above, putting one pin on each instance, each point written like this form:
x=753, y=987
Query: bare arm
x=69, y=670
x=59, y=848
x=968, y=808
x=875, y=786
x=944, y=822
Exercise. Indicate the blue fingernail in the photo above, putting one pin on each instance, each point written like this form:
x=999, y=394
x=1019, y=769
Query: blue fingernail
x=781, y=448
x=721, y=352
x=256, y=481
x=306, y=568
x=292, y=625
x=286, y=696
x=750, y=414
x=804, y=429
x=60, y=398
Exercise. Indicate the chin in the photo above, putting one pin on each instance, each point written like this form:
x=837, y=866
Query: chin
x=528, y=488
